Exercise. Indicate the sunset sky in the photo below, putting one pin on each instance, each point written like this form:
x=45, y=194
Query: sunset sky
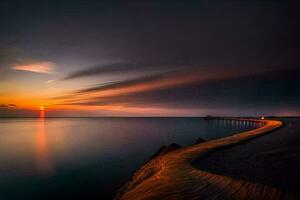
x=147, y=58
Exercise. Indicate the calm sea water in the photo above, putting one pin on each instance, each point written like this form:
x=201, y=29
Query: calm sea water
x=88, y=158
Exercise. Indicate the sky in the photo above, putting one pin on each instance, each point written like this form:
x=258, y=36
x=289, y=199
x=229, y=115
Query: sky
x=149, y=58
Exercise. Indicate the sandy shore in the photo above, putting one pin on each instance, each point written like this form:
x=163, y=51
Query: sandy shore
x=178, y=174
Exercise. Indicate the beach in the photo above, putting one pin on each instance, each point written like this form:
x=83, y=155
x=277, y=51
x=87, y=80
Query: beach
x=201, y=172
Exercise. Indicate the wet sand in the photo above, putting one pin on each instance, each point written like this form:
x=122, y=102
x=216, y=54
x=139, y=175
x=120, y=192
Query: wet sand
x=179, y=174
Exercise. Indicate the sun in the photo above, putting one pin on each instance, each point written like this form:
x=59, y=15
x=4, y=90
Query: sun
x=41, y=108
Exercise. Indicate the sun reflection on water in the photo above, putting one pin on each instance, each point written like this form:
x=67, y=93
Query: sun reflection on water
x=43, y=163
x=42, y=114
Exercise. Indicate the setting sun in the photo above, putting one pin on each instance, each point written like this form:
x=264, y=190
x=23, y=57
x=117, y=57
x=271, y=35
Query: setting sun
x=41, y=108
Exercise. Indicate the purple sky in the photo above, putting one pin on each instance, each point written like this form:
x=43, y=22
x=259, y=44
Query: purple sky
x=148, y=58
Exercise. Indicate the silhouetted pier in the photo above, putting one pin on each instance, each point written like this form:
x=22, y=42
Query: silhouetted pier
x=236, y=122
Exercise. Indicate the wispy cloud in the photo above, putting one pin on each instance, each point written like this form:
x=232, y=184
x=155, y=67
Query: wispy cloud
x=37, y=67
x=12, y=110
x=101, y=69
x=147, y=83
x=155, y=82
x=122, y=67
x=11, y=105
x=192, y=90
x=50, y=81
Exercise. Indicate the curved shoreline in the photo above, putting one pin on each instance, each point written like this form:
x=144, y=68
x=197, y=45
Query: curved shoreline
x=173, y=176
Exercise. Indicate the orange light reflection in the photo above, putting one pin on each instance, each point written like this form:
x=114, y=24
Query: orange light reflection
x=43, y=162
x=42, y=114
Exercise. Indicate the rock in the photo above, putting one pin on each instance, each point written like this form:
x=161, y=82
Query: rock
x=200, y=140
x=170, y=147
x=158, y=152
x=165, y=149
x=146, y=171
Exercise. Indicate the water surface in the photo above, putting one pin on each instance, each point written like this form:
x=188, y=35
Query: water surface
x=89, y=158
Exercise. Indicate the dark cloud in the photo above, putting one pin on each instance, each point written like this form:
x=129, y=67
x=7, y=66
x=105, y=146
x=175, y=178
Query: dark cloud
x=231, y=34
x=103, y=69
x=130, y=82
x=157, y=81
x=8, y=105
x=123, y=67
x=11, y=110
x=155, y=40
x=259, y=92
x=119, y=84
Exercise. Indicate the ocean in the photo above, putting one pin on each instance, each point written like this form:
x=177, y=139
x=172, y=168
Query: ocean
x=89, y=158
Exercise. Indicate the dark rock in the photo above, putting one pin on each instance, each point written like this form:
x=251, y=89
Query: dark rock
x=200, y=140
x=158, y=152
x=165, y=149
x=170, y=147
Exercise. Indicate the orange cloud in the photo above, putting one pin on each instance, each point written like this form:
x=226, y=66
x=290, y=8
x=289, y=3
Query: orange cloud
x=37, y=67
x=128, y=87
